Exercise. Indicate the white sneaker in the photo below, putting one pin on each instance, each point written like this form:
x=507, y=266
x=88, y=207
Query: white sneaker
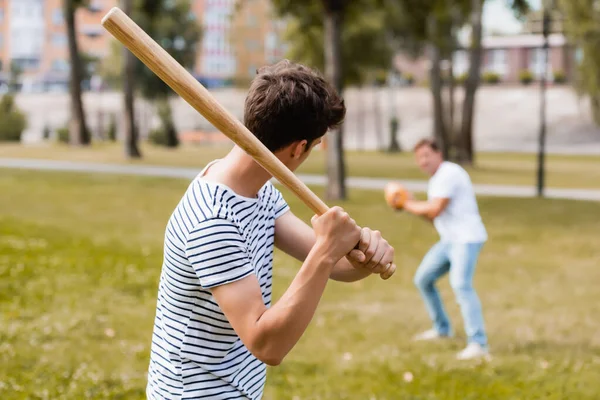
x=431, y=334
x=473, y=351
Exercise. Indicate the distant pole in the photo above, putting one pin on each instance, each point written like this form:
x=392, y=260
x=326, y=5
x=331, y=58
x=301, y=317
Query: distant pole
x=542, y=135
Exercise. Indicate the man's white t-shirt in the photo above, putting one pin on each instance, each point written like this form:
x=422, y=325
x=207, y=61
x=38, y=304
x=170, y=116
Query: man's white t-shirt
x=460, y=222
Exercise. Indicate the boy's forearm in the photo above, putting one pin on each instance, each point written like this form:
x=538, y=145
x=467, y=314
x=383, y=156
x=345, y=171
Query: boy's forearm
x=344, y=271
x=282, y=325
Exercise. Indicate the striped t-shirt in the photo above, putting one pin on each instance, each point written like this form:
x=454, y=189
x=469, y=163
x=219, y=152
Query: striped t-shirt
x=213, y=237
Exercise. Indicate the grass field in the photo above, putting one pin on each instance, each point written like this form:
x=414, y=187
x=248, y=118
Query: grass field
x=80, y=257
x=491, y=168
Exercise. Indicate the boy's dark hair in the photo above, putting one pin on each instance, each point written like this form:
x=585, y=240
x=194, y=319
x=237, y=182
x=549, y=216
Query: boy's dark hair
x=431, y=143
x=288, y=102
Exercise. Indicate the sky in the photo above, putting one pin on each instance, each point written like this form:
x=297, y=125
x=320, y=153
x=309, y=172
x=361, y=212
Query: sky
x=499, y=18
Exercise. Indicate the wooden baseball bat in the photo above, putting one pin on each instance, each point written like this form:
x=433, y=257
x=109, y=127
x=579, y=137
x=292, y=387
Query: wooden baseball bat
x=185, y=85
x=126, y=31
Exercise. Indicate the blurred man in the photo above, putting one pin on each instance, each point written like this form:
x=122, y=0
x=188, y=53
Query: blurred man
x=452, y=207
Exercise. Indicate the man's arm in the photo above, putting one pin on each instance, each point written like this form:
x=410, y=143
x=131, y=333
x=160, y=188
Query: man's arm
x=270, y=333
x=428, y=209
x=295, y=238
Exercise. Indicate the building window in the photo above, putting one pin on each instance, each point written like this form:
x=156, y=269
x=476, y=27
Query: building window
x=252, y=70
x=59, y=40
x=26, y=63
x=60, y=66
x=497, y=61
x=251, y=20
x=57, y=16
x=460, y=63
x=537, y=62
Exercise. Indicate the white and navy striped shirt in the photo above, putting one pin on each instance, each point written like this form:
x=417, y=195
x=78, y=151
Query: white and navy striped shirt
x=213, y=237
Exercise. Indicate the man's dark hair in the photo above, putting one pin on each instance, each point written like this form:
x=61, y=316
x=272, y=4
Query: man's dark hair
x=431, y=143
x=288, y=102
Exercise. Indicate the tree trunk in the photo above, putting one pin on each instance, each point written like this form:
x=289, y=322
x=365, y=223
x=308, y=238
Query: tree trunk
x=336, y=174
x=166, y=116
x=439, y=125
x=131, y=132
x=466, y=154
x=451, y=86
x=78, y=131
x=378, y=117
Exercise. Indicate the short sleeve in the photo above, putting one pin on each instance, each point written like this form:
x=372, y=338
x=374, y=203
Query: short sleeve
x=217, y=252
x=444, y=185
x=281, y=206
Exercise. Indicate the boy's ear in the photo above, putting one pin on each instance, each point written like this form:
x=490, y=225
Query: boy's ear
x=298, y=148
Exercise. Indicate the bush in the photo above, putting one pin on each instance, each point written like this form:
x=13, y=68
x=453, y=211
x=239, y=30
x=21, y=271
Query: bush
x=491, y=77
x=158, y=137
x=112, y=128
x=410, y=78
x=62, y=134
x=461, y=79
x=12, y=120
x=560, y=77
x=526, y=77
x=46, y=132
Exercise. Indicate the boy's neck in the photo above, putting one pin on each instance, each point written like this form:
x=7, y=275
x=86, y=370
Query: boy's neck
x=240, y=172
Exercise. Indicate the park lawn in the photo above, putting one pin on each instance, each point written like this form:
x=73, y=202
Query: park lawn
x=563, y=171
x=80, y=258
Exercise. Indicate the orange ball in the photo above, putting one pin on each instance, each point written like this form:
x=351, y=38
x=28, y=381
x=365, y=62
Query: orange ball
x=395, y=195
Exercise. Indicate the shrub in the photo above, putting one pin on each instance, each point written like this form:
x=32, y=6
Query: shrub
x=46, y=132
x=410, y=78
x=526, y=77
x=560, y=76
x=12, y=121
x=461, y=79
x=112, y=128
x=491, y=77
x=62, y=134
x=158, y=136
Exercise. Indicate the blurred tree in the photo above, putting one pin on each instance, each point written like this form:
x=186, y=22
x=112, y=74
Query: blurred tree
x=582, y=26
x=15, y=76
x=79, y=133
x=344, y=39
x=129, y=70
x=465, y=152
x=173, y=25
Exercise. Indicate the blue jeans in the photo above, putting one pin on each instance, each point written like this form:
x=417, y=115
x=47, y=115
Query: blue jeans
x=460, y=259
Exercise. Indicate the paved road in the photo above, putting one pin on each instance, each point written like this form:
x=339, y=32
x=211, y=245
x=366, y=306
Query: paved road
x=317, y=180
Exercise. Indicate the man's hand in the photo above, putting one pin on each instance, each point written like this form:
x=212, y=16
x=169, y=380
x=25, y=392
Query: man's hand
x=374, y=254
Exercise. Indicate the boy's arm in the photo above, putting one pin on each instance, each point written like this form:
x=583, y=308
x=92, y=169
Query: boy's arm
x=270, y=333
x=294, y=237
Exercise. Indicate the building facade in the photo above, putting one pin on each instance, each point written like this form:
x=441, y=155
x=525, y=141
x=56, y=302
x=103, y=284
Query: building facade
x=33, y=39
x=506, y=56
x=238, y=37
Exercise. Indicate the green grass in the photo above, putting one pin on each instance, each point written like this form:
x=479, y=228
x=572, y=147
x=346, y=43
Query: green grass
x=80, y=257
x=491, y=168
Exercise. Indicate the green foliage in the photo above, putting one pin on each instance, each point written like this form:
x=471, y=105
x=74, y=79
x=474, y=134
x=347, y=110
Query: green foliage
x=166, y=134
x=46, y=132
x=525, y=77
x=364, y=44
x=62, y=134
x=461, y=78
x=111, y=133
x=410, y=78
x=583, y=31
x=12, y=121
x=490, y=77
x=559, y=77
x=172, y=25
x=89, y=65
